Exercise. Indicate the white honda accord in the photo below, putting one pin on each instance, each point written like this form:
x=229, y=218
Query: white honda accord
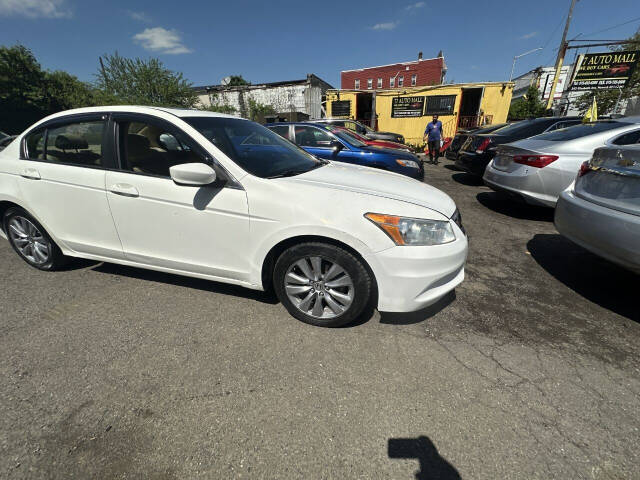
x=222, y=198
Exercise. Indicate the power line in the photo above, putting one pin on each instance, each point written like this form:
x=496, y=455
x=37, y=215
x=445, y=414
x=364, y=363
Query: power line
x=608, y=28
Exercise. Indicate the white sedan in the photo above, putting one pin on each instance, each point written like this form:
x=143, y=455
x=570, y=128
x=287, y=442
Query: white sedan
x=222, y=198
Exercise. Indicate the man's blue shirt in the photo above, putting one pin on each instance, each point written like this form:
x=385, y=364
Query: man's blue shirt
x=434, y=131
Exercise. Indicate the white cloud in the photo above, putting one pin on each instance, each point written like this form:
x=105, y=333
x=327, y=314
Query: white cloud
x=415, y=5
x=161, y=40
x=385, y=26
x=139, y=16
x=35, y=8
x=529, y=35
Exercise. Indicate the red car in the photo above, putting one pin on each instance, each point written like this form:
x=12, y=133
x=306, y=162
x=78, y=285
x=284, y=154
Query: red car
x=368, y=141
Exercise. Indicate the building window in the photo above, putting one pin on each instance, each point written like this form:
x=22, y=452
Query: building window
x=357, y=84
x=379, y=82
x=414, y=80
x=369, y=83
x=401, y=81
x=392, y=82
x=440, y=105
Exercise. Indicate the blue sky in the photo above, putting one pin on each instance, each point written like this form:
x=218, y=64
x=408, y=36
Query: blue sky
x=283, y=40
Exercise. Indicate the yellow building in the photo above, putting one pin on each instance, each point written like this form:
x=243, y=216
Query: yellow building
x=408, y=110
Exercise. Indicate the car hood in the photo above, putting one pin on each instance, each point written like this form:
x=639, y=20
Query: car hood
x=389, y=151
x=371, y=181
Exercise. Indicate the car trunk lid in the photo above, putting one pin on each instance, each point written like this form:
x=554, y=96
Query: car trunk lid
x=612, y=179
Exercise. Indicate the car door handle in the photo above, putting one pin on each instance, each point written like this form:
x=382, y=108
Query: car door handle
x=31, y=174
x=124, y=189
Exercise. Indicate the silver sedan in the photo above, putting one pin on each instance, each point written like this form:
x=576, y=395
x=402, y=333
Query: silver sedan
x=601, y=211
x=539, y=168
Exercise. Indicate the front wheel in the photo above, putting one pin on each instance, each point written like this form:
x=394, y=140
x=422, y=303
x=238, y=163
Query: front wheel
x=322, y=284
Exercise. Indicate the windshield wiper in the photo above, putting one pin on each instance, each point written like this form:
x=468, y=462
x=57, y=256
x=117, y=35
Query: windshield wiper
x=288, y=173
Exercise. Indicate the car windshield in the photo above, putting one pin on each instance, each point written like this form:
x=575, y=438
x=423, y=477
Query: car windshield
x=349, y=138
x=577, y=131
x=255, y=148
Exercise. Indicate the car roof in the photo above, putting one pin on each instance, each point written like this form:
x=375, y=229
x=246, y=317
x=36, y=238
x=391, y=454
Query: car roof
x=178, y=112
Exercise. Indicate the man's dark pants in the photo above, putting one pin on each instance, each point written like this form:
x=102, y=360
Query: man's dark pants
x=434, y=151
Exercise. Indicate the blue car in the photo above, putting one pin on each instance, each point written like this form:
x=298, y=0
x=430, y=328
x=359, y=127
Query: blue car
x=343, y=147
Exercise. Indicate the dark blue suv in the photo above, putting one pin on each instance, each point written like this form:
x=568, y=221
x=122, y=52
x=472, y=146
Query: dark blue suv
x=343, y=147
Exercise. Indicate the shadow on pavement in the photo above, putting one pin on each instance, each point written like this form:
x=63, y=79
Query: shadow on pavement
x=187, y=282
x=451, y=166
x=467, y=179
x=590, y=276
x=420, y=315
x=505, y=205
x=432, y=465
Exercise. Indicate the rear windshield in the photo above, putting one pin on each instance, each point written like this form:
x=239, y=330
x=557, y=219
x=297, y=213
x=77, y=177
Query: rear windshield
x=529, y=127
x=578, y=131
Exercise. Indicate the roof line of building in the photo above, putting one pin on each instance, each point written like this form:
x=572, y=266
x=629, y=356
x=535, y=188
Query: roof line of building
x=404, y=90
x=262, y=85
x=392, y=64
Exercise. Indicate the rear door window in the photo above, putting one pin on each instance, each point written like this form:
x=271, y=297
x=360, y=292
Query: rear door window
x=628, y=138
x=312, y=137
x=76, y=143
x=282, y=130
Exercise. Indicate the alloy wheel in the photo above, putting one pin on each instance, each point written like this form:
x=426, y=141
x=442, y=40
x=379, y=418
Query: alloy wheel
x=29, y=241
x=319, y=287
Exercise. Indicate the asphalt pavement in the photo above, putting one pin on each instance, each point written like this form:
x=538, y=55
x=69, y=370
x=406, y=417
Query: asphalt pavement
x=530, y=370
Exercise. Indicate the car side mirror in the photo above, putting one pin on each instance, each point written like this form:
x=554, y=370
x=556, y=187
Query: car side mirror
x=336, y=146
x=194, y=174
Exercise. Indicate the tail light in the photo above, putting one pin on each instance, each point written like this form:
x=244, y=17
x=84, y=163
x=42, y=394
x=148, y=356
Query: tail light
x=537, y=161
x=584, y=169
x=483, y=146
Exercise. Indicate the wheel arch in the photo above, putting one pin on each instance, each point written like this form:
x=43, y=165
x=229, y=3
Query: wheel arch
x=275, y=252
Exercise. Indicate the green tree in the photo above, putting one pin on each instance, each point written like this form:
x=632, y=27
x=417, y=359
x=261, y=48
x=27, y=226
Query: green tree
x=237, y=80
x=21, y=89
x=528, y=106
x=135, y=81
x=257, y=110
x=607, y=99
x=63, y=91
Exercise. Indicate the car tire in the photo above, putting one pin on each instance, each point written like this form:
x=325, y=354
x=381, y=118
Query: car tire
x=31, y=241
x=309, y=273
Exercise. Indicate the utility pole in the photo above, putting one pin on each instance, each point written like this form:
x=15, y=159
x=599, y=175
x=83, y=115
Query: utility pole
x=560, y=59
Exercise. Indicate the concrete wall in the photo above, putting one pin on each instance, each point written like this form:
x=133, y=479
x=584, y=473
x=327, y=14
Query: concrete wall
x=294, y=97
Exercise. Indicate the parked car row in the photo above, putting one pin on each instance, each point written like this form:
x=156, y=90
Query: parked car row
x=336, y=143
x=217, y=197
x=588, y=172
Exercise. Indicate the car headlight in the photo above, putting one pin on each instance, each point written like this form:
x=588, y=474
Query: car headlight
x=413, y=231
x=407, y=163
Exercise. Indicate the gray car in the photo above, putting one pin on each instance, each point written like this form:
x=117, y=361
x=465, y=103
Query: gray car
x=539, y=168
x=601, y=210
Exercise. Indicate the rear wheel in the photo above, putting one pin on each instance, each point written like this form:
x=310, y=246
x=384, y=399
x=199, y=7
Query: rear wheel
x=322, y=284
x=31, y=241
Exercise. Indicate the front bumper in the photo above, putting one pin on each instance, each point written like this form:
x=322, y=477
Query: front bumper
x=608, y=233
x=411, y=278
x=527, y=187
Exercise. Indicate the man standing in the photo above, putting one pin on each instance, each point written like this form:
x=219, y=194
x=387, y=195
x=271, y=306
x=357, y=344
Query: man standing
x=433, y=136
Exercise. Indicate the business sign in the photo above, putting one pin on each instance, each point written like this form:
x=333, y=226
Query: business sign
x=403, y=107
x=341, y=108
x=604, y=71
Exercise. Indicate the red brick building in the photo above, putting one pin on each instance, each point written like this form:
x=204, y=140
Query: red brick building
x=417, y=73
